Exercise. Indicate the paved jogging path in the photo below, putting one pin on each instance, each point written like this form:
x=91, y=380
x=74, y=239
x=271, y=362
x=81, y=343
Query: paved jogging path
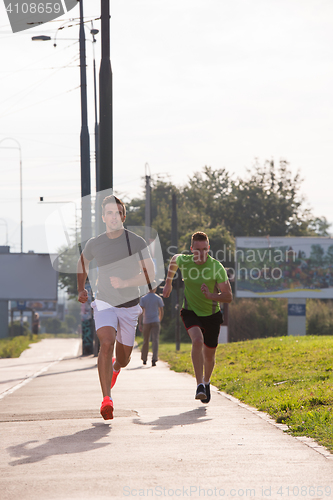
x=161, y=444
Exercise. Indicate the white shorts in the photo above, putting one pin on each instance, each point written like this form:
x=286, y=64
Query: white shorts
x=123, y=319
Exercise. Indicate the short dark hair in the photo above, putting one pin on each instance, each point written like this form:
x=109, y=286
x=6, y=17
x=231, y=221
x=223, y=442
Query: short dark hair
x=112, y=199
x=199, y=236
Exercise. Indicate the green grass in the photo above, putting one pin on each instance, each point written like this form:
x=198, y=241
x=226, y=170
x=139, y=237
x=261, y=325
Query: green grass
x=290, y=378
x=12, y=347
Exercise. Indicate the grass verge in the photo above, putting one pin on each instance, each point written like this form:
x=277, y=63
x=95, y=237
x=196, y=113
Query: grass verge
x=12, y=347
x=290, y=378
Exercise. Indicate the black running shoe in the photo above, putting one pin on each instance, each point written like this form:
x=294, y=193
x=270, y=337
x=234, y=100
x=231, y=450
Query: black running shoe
x=207, y=388
x=201, y=393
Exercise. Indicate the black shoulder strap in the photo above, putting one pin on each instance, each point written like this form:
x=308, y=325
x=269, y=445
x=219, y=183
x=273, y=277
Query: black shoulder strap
x=128, y=242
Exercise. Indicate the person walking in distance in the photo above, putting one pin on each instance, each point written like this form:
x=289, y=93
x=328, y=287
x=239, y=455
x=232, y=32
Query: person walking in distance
x=152, y=306
x=124, y=263
x=206, y=287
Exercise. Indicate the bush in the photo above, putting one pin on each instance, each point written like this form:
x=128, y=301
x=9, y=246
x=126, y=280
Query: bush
x=168, y=331
x=268, y=317
x=74, y=309
x=260, y=318
x=71, y=323
x=257, y=318
x=319, y=317
x=54, y=325
x=15, y=329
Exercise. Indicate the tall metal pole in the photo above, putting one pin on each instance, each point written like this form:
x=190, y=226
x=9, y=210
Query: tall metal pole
x=97, y=156
x=21, y=202
x=174, y=243
x=105, y=110
x=96, y=126
x=105, y=175
x=87, y=331
x=84, y=139
x=147, y=206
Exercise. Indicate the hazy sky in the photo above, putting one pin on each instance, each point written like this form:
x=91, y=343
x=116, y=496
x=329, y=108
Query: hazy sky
x=196, y=82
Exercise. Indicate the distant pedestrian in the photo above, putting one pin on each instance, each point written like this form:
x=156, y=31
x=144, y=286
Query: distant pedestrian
x=206, y=286
x=152, y=306
x=35, y=322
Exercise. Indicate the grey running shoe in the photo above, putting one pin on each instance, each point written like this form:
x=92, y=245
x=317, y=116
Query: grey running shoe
x=201, y=393
x=207, y=388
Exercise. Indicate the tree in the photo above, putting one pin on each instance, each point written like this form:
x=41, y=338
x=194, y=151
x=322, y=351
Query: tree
x=67, y=264
x=317, y=255
x=207, y=196
x=268, y=202
x=319, y=226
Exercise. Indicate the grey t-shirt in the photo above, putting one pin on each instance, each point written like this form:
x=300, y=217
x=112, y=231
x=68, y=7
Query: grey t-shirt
x=120, y=258
x=151, y=304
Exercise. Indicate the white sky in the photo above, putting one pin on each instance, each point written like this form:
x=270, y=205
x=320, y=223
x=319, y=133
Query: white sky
x=196, y=82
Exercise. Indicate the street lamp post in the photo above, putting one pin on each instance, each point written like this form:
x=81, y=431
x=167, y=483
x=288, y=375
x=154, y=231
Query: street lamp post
x=84, y=140
x=21, y=203
x=105, y=96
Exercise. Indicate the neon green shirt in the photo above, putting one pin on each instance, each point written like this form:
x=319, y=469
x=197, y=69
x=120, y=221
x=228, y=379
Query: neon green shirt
x=194, y=275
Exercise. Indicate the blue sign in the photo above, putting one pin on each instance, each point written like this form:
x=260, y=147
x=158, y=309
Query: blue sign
x=296, y=310
x=21, y=305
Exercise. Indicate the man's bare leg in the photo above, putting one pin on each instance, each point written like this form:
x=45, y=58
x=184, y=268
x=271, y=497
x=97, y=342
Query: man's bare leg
x=107, y=337
x=123, y=355
x=209, y=362
x=197, y=352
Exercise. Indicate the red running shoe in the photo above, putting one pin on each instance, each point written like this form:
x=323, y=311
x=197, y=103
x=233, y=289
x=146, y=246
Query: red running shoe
x=107, y=408
x=114, y=374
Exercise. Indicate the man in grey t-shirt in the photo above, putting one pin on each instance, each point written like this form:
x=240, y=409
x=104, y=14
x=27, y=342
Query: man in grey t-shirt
x=124, y=263
x=152, y=306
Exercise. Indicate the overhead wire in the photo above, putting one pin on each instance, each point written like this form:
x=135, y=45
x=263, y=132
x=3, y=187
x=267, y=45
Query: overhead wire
x=43, y=100
x=49, y=22
x=33, y=86
x=38, y=60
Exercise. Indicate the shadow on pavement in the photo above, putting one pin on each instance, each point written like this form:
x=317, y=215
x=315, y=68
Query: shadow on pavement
x=48, y=374
x=74, y=443
x=169, y=421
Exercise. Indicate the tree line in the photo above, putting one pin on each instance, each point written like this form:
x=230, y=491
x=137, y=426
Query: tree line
x=267, y=201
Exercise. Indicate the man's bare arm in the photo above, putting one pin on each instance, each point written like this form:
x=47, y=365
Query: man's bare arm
x=171, y=272
x=146, y=276
x=225, y=294
x=82, y=273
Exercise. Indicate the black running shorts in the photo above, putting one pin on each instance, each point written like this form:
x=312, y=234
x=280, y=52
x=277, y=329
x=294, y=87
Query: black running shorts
x=209, y=325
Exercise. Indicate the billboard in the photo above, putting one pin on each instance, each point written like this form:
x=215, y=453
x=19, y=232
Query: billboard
x=45, y=308
x=286, y=267
x=27, y=276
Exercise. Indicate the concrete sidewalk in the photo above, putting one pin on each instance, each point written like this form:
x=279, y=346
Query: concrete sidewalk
x=161, y=443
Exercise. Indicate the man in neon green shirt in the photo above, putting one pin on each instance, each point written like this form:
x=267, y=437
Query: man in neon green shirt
x=206, y=286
